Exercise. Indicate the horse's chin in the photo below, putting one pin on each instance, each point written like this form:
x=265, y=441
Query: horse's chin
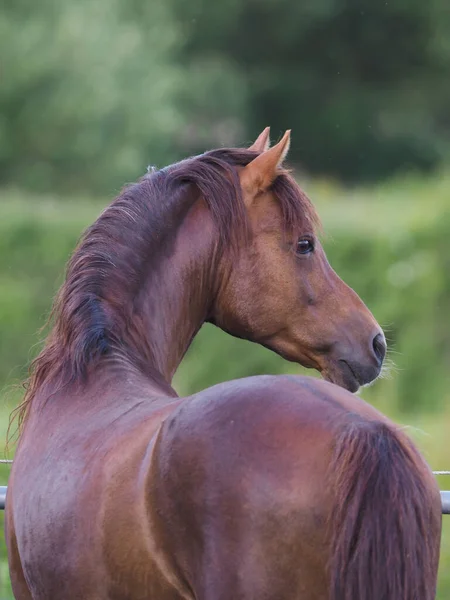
x=338, y=371
x=342, y=376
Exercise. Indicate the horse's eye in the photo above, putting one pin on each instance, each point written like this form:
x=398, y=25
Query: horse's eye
x=304, y=246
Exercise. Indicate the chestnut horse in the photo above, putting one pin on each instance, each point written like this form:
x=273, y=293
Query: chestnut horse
x=264, y=488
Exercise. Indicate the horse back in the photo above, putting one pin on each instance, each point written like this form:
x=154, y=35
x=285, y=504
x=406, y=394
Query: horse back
x=241, y=501
x=244, y=496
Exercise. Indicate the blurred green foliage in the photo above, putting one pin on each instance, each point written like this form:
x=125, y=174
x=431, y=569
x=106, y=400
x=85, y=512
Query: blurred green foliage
x=363, y=84
x=94, y=90
x=88, y=91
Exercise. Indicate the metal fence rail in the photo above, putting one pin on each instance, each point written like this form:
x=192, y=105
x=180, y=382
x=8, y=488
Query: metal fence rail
x=445, y=502
x=444, y=495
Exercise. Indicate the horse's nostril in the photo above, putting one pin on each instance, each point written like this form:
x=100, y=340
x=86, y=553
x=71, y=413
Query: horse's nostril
x=379, y=347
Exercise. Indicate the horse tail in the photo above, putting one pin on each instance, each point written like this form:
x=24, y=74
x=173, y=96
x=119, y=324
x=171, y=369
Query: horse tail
x=386, y=522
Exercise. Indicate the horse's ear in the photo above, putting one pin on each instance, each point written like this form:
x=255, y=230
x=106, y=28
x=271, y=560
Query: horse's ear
x=262, y=142
x=258, y=175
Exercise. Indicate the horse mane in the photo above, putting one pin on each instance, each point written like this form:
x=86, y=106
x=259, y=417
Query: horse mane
x=94, y=306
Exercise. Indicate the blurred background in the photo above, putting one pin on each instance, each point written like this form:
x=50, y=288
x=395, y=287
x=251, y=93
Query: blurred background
x=93, y=91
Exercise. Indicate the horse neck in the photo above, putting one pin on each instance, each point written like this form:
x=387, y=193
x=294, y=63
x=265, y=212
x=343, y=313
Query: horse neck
x=175, y=301
x=128, y=311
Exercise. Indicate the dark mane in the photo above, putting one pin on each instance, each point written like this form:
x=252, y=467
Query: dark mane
x=104, y=275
